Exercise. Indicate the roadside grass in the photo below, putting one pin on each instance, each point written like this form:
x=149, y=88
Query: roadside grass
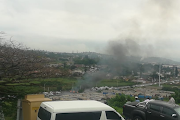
x=53, y=84
x=17, y=84
x=171, y=85
x=167, y=85
x=9, y=118
x=20, y=90
x=115, y=83
x=2, y=82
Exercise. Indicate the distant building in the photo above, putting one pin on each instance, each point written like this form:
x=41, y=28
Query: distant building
x=139, y=81
x=77, y=72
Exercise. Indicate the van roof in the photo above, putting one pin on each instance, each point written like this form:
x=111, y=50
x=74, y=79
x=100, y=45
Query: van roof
x=75, y=106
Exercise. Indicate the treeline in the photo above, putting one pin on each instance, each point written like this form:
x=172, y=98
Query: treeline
x=18, y=62
x=118, y=101
x=176, y=96
x=86, y=61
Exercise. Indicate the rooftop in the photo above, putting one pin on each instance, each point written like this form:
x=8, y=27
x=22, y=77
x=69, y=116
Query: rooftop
x=76, y=106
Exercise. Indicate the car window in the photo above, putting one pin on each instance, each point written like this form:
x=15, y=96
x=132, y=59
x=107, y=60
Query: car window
x=112, y=115
x=155, y=108
x=168, y=111
x=79, y=116
x=44, y=114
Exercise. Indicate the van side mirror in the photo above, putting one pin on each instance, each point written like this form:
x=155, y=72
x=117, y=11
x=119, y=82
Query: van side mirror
x=174, y=115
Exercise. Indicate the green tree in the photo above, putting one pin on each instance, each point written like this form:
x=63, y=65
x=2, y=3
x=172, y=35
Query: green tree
x=119, y=100
x=176, y=96
x=176, y=72
x=86, y=61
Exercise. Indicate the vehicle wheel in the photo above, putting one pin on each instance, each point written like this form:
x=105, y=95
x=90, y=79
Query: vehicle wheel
x=137, y=118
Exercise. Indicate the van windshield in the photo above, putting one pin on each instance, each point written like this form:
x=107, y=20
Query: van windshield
x=79, y=116
x=44, y=114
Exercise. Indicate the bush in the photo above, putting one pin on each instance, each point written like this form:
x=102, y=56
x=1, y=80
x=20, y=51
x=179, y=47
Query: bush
x=119, y=100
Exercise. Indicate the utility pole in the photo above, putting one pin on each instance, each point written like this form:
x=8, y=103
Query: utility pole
x=159, y=75
x=44, y=86
x=18, y=109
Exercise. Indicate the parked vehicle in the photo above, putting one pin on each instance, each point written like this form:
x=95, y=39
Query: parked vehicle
x=77, y=110
x=46, y=93
x=152, y=110
x=57, y=93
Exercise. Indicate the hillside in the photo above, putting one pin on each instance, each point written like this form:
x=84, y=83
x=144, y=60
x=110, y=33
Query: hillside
x=134, y=59
x=159, y=60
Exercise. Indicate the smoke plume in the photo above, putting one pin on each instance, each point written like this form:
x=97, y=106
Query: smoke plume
x=144, y=36
x=148, y=30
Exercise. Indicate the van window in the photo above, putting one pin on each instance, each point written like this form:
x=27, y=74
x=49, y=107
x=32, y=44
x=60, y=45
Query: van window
x=112, y=115
x=79, y=116
x=44, y=114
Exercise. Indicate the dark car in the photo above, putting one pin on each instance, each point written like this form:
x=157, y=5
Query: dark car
x=152, y=110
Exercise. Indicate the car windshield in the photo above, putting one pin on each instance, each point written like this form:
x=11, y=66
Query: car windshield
x=177, y=110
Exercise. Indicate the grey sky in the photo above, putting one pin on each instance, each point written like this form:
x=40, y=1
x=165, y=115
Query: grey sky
x=88, y=25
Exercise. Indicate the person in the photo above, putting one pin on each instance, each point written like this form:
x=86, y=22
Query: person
x=136, y=99
x=147, y=99
x=171, y=100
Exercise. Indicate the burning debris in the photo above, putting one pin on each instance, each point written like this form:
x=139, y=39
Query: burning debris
x=73, y=91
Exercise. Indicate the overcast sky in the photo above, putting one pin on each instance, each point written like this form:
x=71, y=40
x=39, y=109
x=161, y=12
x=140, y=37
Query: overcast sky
x=89, y=25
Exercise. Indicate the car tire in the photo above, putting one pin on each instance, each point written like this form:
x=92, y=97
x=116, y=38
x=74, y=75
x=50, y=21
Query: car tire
x=137, y=118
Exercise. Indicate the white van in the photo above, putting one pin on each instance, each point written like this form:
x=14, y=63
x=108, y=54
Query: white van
x=77, y=110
